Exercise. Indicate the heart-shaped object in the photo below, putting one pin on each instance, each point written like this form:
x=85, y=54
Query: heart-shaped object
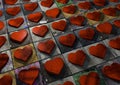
x=115, y=43
x=99, y=2
x=54, y=66
x=3, y=60
x=99, y=51
x=105, y=27
x=35, y=17
x=26, y=76
x=4, y=78
x=84, y=5
x=87, y=34
x=30, y=6
x=40, y=31
x=10, y=2
x=71, y=9
x=19, y=36
x=109, y=11
x=68, y=83
x=13, y=10
x=96, y=16
x=63, y=1
x=59, y=25
x=2, y=40
x=23, y=54
x=77, y=58
x=2, y=25
x=67, y=40
x=118, y=6
x=114, y=1
x=1, y=13
x=47, y=3
x=90, y=79
x=53, y=13
x=46, y=47
x=117, y=23
x=112, y=71
x=77, y=20
x=16, y=22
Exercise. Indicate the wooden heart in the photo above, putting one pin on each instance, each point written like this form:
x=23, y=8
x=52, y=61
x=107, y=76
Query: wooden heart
x=19, y=36
x=54, y=66
x=98, y=51
x=10, y=2
x=2, y=25
x=30, y=6
x=2, y=40
x=84, y=5
x=29, y=76
x=99, y=2
x=117, y=23
x=63, y=1
x=71, y=9
x=47, y=3
x=4, y=78
x=67, y=40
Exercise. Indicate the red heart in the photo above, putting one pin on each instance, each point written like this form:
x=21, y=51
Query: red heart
x=30, y=6
x=112, y=71
x=35, y=17
x=91, y=79
x=117, y=23
x=110, y=11
x=78, y=20
x=63, y=1
x=68, y=83
x=114, y=1
x=16, y=22
x=54, y=66
x=28, y=76
x=2, y=40
x=87, y=33
x=53, y=13
x=71, y=9
x=4, y=78
x=10, y=2
x=19, y=36
x=77, y=58
x=105, y=27
x=23, y=54
x=99, y=51
x=84, y=5
x=99, y=2
x=46, y=47
x=59, y=25
x=115, y=43
x=13, y=10
x=3, y=60
x=2, y=25
x=40, y=31
x=96, y=16
x=1, y=13
x=47, y=3
x=67, y=40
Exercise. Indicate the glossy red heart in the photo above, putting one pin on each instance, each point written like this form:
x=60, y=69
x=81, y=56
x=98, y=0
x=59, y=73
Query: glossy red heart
x=99, y=51
x=4, y=78
x=13, y=10
x=67, y=40
x=99, y=2
x=46, y=46
x=29, y=76
x=1, y=13
x=68, y=83
x=87, y=33
x=115, y=43
x=35, y=17
x=105, y=27
x=30, y=6
x=112, y=71
x=19, y=36
x=23, y=54
x=40, y=31
x=2, y=25
x=84, y=5
x=77, y=20
x=63, y=1
x=53, y=13
x=2, y=40
x=54, y=66
x=10, y=2
x=16, y=22
x=3, y=60
x=117, y=23
x=71, y=9
x=96, y=16
x=77, y=58
x=59, y=25
x=47, y=3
